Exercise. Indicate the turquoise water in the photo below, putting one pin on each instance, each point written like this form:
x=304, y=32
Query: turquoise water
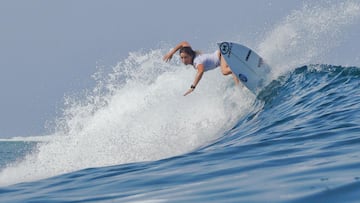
x=302, y=145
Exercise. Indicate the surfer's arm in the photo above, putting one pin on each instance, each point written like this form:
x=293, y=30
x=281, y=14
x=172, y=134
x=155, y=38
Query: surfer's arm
x=169, y=55
x=199, y=74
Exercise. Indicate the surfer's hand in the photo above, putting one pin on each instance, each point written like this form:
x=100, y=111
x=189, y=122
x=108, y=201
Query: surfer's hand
x=189, y=91
x=167, y=57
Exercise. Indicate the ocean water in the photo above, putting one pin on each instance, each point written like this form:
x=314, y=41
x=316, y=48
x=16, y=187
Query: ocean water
x=135, y=138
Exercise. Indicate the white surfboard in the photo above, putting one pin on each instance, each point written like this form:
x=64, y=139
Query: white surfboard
x=247, y=65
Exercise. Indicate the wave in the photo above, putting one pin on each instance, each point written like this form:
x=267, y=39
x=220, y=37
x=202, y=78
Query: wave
x=299, y=144
x=308, y=77
x=300, y=97
x=137, y=112
x=305, y=138
x=307, y=35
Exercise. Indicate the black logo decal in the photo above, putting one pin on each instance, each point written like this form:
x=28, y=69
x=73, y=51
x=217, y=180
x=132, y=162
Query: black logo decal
x=248, y=55
x=225, y=48
x=243, y=78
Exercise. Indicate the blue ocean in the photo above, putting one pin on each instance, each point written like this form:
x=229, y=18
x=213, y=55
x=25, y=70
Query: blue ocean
x=133, y=137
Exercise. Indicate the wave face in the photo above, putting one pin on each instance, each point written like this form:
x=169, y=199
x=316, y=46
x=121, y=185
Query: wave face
x=300, y=143
x=134, y=137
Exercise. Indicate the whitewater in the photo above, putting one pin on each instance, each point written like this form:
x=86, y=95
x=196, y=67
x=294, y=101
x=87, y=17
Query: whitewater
x=135, y=138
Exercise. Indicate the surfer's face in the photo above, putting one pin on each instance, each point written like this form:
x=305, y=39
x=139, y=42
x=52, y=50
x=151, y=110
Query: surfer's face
x=186, y=58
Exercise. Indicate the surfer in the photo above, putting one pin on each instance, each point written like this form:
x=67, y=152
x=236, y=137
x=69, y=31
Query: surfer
x=201, y=62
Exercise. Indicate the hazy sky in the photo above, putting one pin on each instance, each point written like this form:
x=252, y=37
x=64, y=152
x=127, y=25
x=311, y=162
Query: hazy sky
x=51, y=48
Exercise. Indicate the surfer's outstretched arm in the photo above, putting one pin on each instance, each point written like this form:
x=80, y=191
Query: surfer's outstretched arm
x=169, y=55
x=199, y=74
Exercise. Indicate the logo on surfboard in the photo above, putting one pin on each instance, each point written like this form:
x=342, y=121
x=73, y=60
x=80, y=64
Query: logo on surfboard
x=243, y=78
x=225, y=48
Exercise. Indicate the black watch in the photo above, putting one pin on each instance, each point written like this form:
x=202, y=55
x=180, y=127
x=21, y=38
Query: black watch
x=192, y=86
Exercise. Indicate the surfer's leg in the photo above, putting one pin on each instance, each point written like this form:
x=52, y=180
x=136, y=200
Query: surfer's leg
x=225, y=69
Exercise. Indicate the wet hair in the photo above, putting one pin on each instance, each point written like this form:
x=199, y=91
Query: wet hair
x=189, y=51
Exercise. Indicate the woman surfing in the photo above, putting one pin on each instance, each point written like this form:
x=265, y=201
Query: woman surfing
x=201, y=62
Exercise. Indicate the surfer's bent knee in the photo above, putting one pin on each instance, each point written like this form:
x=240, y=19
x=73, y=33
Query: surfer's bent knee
x=225, y=69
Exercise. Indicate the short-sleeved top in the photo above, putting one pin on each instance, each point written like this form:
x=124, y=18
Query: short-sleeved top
x=210, y=61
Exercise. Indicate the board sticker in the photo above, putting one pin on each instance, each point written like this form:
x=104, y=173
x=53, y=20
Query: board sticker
x=225, y=48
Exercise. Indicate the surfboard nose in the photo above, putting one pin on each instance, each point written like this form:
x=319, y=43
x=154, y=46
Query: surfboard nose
x=225, y=47
x=219, y=43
